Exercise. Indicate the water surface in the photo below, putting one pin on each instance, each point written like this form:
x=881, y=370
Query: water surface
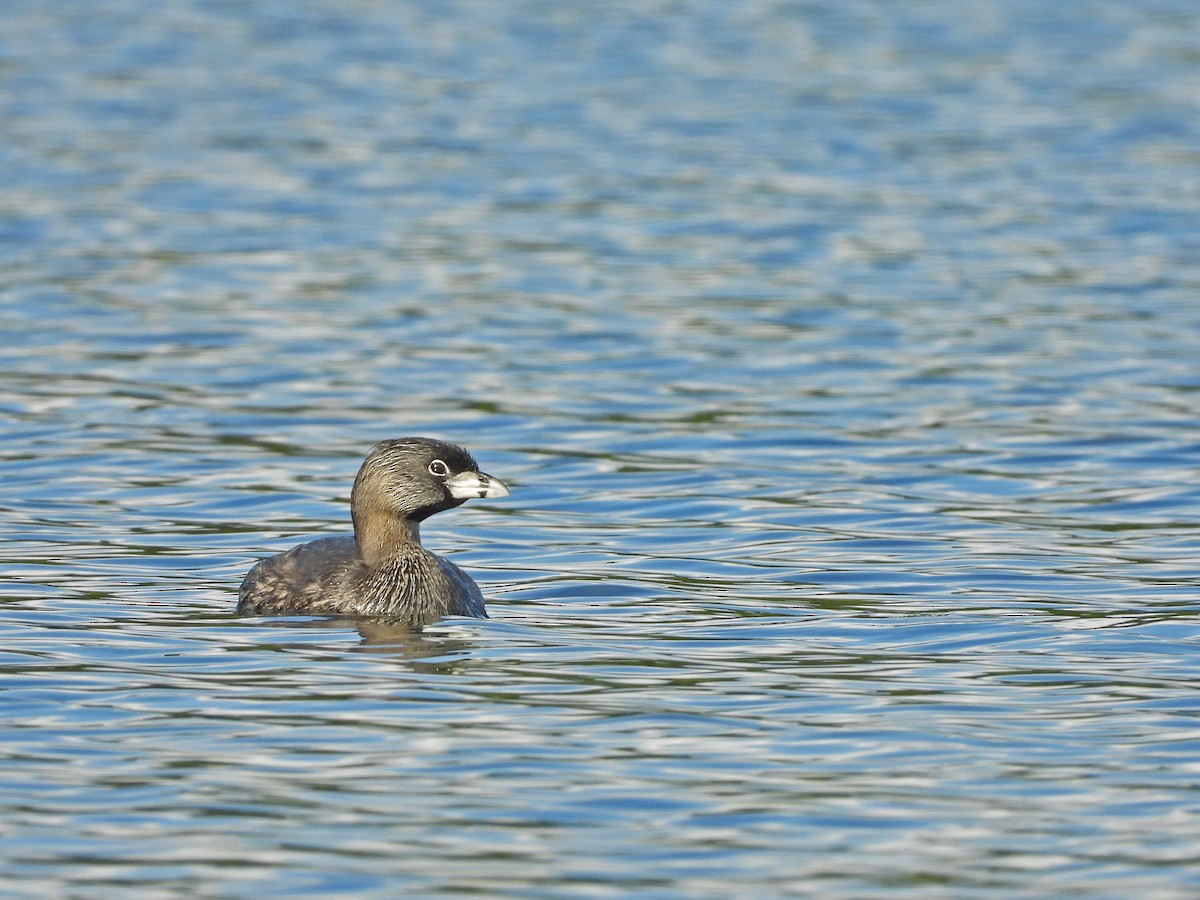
x=842, y=360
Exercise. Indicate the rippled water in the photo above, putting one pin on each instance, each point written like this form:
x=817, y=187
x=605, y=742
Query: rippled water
x=842, y=358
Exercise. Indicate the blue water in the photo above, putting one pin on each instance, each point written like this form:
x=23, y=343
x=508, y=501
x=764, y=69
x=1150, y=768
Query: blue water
x=842, y=358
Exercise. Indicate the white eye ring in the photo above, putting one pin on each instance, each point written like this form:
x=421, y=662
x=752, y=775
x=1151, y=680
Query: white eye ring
x=439, y=468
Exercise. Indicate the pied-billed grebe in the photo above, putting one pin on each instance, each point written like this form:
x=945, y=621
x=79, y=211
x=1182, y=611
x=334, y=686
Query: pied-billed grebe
x=382, y=571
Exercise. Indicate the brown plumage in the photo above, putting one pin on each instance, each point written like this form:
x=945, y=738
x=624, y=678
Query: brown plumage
x=382, y=571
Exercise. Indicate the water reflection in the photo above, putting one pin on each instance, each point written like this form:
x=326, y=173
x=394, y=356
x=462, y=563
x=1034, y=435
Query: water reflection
x=440, y=654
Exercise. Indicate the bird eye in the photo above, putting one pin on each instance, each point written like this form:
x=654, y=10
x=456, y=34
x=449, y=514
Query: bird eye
x=439, y=468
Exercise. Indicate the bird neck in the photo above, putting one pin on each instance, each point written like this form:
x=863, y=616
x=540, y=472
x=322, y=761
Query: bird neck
x=381, y=536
